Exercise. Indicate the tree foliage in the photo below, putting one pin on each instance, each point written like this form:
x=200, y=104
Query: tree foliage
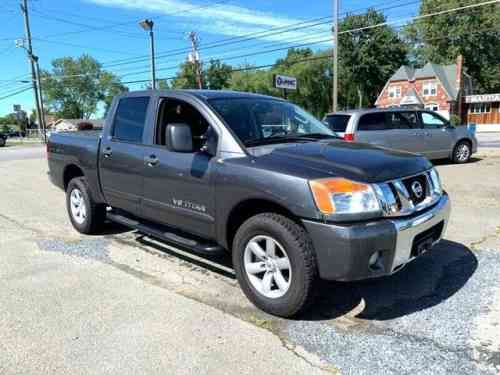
x=473, y=33
x=75, y=87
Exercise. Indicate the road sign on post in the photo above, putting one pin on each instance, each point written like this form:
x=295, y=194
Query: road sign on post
x=285, y=83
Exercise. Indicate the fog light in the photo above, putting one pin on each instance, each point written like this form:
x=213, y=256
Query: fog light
x=374, y=258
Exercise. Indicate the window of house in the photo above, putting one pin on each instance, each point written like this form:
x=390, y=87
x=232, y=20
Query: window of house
x=430, y=89
x=432, y=107
x=130, y=119
x=480, y=108
x=394, y=91
x=372, y=121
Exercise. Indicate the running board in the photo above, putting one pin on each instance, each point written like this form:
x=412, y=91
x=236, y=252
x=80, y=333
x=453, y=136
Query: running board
x=169, y=235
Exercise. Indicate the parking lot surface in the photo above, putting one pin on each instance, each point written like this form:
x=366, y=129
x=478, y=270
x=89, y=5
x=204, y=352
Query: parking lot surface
x=125, y=303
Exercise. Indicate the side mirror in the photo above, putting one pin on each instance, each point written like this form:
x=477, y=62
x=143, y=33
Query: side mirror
x=178, y=138
x=210, y=146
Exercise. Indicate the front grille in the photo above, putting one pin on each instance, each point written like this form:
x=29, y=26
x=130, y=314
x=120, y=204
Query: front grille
x=407, y=195
x=417, y=188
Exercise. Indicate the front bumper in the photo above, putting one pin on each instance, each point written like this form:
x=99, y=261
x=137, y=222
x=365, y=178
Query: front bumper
x=343, y=251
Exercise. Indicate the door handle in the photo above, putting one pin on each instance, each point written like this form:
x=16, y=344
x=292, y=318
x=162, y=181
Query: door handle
x=107, y=152
x=151, y=160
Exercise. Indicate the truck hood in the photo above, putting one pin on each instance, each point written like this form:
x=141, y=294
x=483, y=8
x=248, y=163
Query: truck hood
x=356, y=161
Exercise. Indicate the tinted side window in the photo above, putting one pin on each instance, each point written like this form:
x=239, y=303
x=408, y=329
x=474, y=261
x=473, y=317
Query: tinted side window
x=430, y=120
x=403, y=120
x=130, y=118
x=337, y=123
x=372, y=121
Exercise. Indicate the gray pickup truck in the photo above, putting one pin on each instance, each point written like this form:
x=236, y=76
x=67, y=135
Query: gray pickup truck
x=413, y=130
x=215, y=171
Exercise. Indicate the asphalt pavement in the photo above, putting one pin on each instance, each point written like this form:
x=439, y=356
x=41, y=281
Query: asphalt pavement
x=491, y=140
x=125, y=303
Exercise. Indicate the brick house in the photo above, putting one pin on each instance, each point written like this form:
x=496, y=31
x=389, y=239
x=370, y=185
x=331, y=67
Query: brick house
x=440, y=88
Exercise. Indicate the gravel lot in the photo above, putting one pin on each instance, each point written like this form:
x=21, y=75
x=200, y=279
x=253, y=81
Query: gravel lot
x=124, y=303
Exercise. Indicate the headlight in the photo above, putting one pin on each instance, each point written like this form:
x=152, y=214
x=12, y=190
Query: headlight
x=436, y=182
x=342, y=196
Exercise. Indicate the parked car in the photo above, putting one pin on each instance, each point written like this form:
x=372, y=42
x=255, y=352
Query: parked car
x=418, y=131
x=3, y=139
x=215, y=171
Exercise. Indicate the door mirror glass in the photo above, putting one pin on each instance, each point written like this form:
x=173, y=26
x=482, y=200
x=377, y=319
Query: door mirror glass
x=179, y=138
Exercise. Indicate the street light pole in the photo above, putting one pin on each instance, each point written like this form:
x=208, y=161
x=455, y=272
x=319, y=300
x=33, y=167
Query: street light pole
x=335, y=52
x=148, y=26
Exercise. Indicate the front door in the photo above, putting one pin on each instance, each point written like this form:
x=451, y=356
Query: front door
x=179, y=186
x=437, y=140
x=121, y=158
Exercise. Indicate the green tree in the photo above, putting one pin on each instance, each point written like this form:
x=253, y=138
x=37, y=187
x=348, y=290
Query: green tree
x=186, y=77
x=218, y=75
x=368, y=57
x=473, y=33
x=75, y=87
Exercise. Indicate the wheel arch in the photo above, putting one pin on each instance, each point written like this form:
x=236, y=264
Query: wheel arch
x=244, y=210
x=70, y=172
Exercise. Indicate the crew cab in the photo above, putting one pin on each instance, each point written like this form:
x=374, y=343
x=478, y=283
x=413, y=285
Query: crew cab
x=414, y=130
x=257, y=176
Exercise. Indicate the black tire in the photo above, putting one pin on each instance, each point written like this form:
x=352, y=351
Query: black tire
x=2, y=142
x=462, y=152
x=95, y=213
x=299, y=249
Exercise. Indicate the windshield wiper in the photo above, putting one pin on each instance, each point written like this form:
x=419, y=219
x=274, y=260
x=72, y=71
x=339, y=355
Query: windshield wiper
x=319, y=135
x=277, y=139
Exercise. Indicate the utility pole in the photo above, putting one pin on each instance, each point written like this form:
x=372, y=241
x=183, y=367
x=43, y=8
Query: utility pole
x=335, y=52
x=194, y=57
x=148, y=26
x=34, y=77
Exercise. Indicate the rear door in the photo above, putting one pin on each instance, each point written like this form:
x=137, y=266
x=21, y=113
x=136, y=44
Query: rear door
x=437, y=140
x=121, y=156
x=373, y=128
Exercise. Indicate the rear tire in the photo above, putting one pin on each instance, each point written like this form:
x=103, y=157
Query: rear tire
x=2, y=142
x=86, y=216
x=279, y=281
x=462, y=152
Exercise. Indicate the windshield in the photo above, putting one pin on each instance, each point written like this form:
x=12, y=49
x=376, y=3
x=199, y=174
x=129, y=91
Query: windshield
x=338, y=123
x=259, y=120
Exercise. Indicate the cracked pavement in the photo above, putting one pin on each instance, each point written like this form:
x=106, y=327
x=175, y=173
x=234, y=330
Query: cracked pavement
x=125, y=303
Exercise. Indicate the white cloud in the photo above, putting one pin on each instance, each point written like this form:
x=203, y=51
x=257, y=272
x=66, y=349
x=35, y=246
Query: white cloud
x=225, y=19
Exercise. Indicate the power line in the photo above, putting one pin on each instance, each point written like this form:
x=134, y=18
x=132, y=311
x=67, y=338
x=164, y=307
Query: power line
x=16, y=93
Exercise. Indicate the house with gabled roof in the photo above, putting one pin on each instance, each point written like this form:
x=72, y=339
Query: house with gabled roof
x=440, y=88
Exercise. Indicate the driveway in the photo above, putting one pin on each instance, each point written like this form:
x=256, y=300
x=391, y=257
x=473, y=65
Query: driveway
x=125, y=303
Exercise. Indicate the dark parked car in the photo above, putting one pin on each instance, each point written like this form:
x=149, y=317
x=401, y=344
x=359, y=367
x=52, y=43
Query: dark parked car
x=418, y=131
x=3, y=139
x=214, y=171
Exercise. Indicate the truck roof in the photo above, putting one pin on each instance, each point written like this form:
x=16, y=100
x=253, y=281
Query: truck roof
x=207, y=94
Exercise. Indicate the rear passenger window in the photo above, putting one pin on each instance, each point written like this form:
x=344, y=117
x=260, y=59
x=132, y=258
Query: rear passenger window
x=337, y=123
x=130, y=118
x=403, y=120
x=372, y=121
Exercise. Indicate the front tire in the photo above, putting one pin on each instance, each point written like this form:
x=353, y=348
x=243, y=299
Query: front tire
x=2, y=142
x=275, y=265
x=86, y=216
x=462, y=152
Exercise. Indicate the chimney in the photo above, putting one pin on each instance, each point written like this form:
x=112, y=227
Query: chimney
x=460, y=67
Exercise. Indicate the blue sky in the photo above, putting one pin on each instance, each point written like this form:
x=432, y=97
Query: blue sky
x=108, y=30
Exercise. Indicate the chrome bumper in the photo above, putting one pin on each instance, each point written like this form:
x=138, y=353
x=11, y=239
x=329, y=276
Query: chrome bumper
x=408, y=229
